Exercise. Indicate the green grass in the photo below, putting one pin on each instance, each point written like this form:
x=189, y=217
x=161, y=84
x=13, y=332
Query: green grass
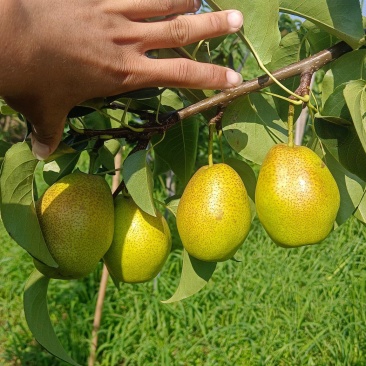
x=276, y=307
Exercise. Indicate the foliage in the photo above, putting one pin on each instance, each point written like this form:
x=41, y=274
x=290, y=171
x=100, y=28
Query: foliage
x=159, y=133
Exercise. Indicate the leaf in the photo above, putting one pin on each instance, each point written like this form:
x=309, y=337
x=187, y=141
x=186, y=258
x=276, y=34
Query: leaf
x=351, y=66
x=107, y=153
x=17, y=206
x=178, y=149
x=350, y=187
x=60, y=167
x=341, y=18
x=139, y=182
x=344, y=145
x=290, y=50
x=249, y=179
x=172, y=205
x=335, y=109
x=260, y=24
x=195, y=275
x=4, y=147
x=252, y=126
x=317, y=38
x=38, y=319
x=355, y=96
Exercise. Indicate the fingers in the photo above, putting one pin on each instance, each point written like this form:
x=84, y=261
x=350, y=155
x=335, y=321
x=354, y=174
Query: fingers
x=145, y=9
x=46, y=136
x=187, y=29
x=183, y=73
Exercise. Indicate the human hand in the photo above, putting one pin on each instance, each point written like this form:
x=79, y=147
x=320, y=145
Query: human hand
x=67, y=52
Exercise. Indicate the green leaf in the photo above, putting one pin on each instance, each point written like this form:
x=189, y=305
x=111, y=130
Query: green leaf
x=351, y=188
x=351, y=66
x=172, y=205
x=4, y=147
x=335, y=109
x=290, y=50
x=317, y=38
x=248, y=177
x=260, y=24
x=139, y=181
x=60, y=167
x=360, y=213
x=38, y=319
x=251, y=126
x=178, y=149
x=341, y=18
x=107, y=153
x=355, y=96
x=17, y=206
x=344, y=145
x=195, y=275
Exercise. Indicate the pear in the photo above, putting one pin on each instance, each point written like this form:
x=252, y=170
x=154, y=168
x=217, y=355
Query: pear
x=213, y=215
x=76, y=215
x=141, y=243
x=297, y=198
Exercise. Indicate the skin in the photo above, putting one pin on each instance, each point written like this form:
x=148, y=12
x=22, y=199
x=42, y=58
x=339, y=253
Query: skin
x=57, y=54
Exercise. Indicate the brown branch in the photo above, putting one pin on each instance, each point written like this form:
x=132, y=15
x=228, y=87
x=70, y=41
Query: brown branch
x=312, y=63
x=304, y=67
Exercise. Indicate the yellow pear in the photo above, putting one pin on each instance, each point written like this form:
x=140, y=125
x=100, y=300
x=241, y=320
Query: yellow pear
x=76, y=215
x=213, y=215
x=141, y=243
x=297, y=198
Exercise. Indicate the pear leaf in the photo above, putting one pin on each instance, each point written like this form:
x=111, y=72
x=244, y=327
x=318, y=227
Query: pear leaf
x=252, y=126
x=139, y=181
x=195, y=275
x=351, y=188
x=37, y=316
x=4, y=147
x=351, y=66
x=178, y=149
x=344, y=145
x=248, y=177
x=341, y=18
x=172, y=205
x=17, y=206
x=355, y=95
x=60, y=167
x=335, y=109
x=260, y=31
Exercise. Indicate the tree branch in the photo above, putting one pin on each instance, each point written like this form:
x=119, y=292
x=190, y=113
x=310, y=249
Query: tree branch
x=305, y=67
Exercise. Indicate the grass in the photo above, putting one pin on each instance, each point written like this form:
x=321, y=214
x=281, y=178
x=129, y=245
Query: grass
x=276, y=307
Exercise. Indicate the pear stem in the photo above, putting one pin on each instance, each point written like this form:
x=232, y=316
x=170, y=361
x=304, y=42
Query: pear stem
x=212, y=128
x=291, y=112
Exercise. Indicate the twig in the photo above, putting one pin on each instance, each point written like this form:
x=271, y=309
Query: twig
x=103, y=281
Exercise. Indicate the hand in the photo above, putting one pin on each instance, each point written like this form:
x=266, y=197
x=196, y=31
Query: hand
x=66, y=52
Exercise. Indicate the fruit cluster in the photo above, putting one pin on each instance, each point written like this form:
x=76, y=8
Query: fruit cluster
x=297, y=200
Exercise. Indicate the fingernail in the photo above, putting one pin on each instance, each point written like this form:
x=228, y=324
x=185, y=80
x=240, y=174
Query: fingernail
x=40, y=151
x=235, y=19
x=233, y=78
x=197, y=4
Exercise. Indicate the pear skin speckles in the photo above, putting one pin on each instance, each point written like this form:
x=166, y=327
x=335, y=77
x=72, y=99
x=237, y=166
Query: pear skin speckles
x=213, y=216
x=76, y=215
x=297, y=198
x=141, y=243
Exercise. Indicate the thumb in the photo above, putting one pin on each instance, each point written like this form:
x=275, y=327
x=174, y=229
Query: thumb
x=46, y=136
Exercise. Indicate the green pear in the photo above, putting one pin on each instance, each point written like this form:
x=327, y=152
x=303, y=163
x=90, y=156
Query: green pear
x=297, y=198
x=141, y=243
x=76, y=215
x=213, y=215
